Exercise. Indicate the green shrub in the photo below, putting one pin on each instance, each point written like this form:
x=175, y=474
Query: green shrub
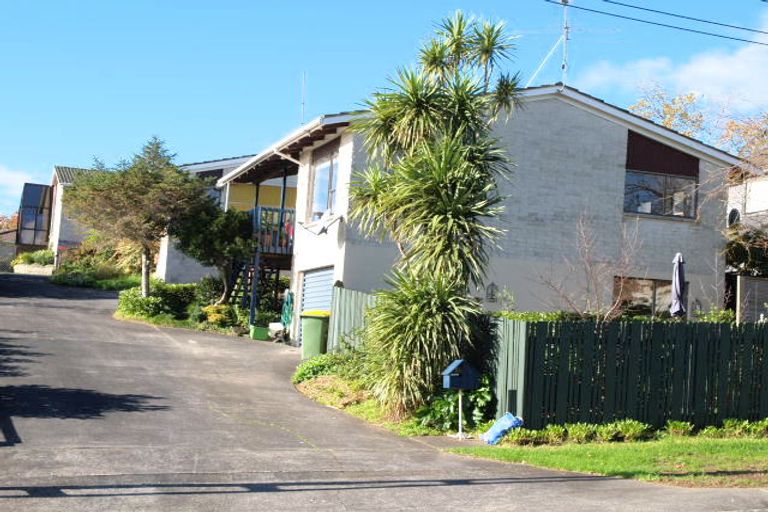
x=41, y=257
x=736, y=428
x=712, y=432
x=555, y=434
x=264, y=318
x=176, y=298
x=539, y=316
x=441, y=411
x=131, y=303
x=633, y=430
x=716, y=316
x=524, y=436
x=324, y=364
x=679, y=428
x=580, y=432
x=220, y=315
x=607, y=432
x=759, y=428
x=209, y=290
x=88, y=280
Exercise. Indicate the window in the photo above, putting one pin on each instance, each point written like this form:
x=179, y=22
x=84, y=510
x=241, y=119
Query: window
x=325, y=167
x=652, y=297
x=659, y=194
x=34, y=215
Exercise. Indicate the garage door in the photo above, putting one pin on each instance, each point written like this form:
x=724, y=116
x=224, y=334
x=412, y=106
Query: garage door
x=317, y=290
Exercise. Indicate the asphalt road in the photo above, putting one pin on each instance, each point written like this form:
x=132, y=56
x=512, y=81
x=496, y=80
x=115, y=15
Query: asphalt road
x=97, y=414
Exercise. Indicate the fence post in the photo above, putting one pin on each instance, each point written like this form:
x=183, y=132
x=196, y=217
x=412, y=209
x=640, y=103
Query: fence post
x=522, y=359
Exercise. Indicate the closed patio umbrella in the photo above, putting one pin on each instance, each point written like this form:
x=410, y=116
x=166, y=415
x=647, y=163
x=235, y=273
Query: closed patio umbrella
x=678, y=287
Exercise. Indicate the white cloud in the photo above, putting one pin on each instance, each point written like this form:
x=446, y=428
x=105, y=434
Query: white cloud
x=735, y=78
x=11, y=183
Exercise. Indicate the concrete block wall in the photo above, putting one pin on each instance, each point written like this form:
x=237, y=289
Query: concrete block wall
x=567, y=163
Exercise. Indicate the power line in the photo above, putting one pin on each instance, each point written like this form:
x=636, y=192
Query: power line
x=702, y=32
x=687, y=17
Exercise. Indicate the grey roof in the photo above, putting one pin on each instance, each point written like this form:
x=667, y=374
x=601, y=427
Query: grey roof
x=66, y=175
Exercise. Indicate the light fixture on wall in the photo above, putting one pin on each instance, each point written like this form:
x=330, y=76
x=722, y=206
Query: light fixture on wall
x=491, y=292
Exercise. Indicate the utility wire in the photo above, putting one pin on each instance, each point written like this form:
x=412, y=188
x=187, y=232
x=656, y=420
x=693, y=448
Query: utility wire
x=687, y=17
x=702, y=32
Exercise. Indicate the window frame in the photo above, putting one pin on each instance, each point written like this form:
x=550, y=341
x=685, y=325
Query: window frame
x=666, y=196
x=655, y=285
x=327, y=153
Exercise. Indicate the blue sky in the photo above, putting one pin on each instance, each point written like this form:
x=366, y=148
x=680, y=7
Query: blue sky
x=84, y=79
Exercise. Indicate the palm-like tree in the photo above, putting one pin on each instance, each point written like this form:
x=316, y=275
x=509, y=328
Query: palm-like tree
x=490, y=47
x=432, y=188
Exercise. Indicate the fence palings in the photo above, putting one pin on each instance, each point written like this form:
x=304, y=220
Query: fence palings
x=653, y=372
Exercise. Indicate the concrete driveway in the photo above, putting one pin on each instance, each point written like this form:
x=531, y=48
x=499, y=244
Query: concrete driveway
x=98, y=414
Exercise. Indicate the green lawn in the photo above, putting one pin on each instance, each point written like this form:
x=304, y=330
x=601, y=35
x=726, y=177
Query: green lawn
x=685, y=461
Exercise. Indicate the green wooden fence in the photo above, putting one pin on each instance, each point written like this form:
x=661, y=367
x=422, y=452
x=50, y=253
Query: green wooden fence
x=581, y=371
x=347, y=315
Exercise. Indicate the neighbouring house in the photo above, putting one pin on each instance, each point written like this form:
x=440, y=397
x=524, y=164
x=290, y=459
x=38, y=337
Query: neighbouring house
x=576, y=157
x=43, y=218
x=65, y=232
x=748, y=206
x=34, y=218
x=173, y=266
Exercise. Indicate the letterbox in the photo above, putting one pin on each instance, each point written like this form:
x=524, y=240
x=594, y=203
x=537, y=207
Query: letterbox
x=460, y=375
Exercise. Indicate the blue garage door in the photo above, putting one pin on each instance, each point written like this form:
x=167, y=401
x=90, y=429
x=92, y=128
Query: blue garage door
x=317, y=290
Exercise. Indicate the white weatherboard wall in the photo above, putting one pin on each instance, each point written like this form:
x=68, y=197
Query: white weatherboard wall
x=314, y=250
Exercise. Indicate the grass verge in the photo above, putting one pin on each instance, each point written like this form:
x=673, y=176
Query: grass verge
x=85, y=281
x=683, y=461
x=348, y=396
x=184, y=323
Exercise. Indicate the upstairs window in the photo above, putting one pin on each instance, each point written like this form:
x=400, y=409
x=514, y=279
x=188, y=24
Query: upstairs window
x=324, y=175
x=660, y=179
x=658, y=194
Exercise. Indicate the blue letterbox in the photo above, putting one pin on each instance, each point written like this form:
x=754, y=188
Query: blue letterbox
x=460, y=375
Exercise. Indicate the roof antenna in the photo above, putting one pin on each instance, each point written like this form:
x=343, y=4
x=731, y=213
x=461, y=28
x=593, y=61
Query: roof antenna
x=563, y=39
x=566, y=36
x=303, y=94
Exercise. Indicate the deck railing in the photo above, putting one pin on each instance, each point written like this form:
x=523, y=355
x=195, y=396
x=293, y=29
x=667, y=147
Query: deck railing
x=274, y=229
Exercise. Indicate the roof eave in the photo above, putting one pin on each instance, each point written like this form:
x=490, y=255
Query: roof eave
x=287, y=140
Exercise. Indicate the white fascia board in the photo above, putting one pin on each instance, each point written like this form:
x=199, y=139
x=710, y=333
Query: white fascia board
x=642, y=126
x=311, y=126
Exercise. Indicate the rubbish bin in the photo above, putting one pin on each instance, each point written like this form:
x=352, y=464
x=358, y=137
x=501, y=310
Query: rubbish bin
x=314, y=333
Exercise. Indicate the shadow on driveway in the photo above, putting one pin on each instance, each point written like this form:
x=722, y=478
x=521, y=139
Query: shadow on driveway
x=65, y=403
x=13, y=356
x=158, y=489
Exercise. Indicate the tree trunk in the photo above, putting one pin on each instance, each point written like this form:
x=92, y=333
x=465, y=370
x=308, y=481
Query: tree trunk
x=145, y=267
x=226, y=277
